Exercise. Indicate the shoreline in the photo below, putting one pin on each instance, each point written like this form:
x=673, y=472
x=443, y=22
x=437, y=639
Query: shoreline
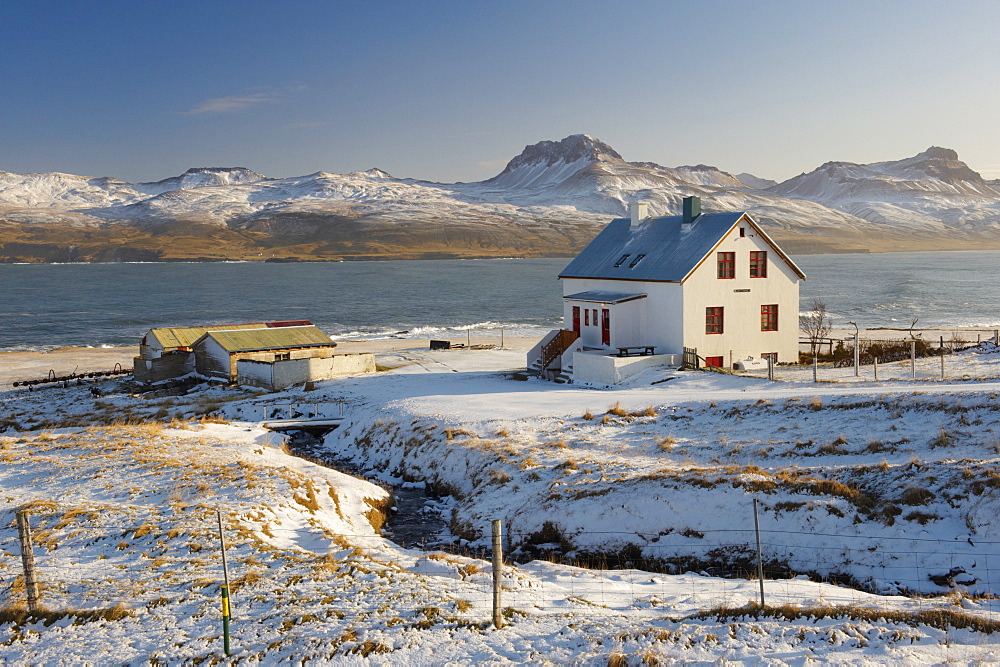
x=468, y=258
x=17, y=365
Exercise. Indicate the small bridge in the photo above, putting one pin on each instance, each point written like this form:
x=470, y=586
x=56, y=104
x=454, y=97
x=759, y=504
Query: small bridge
x=323, y=424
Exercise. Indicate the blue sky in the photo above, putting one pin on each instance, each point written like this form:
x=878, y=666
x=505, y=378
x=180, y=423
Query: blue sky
x=450, y=91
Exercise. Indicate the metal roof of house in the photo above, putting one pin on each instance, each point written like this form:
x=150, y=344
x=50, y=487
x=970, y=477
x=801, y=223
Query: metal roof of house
x=253, y=340
x=658, y=250
x=170, y=337
x=604, y=296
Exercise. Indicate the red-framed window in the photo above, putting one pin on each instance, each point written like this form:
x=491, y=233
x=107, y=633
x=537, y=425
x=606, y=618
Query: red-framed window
x=586, y=317
x=593, y=316
x=576, y=319
x=713, y=362
x=727, y=264
x=758, y=264
x=769, y=317
x=713, y=320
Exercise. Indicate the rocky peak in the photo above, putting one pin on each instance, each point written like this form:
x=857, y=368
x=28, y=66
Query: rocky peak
x=938, y=163
x=574, y=148
x=940, y=153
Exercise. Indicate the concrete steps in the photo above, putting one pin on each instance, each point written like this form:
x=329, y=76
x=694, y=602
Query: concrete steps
x=565, y=376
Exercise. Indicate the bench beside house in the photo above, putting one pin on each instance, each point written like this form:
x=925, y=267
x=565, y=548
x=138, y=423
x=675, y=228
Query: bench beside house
x=715, y=282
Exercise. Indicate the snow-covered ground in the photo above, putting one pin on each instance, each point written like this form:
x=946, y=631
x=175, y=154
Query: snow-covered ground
x=888, y=486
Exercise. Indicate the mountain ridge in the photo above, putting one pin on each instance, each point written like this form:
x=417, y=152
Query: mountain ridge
x=550, y=199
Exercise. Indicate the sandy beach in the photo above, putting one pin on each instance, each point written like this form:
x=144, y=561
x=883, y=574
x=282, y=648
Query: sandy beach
x=30, y=365
x=26, y=365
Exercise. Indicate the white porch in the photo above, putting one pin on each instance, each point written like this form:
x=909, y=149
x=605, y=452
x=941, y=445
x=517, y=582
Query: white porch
x=605, y=367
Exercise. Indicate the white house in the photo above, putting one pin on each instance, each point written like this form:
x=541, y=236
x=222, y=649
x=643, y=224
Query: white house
x=653, y=286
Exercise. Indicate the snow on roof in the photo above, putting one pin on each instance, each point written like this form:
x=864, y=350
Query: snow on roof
x=604, y=296
x=658, y=250
x=244, y=340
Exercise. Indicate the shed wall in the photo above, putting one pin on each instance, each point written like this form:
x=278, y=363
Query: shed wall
x=170, y=365
x=280, y=374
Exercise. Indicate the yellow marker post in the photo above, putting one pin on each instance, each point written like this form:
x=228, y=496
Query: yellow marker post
x=225, y=587
x=225, y=619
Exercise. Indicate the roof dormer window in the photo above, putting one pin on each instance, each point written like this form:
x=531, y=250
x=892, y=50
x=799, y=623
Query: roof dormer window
x=621, y=260
x=638, y=258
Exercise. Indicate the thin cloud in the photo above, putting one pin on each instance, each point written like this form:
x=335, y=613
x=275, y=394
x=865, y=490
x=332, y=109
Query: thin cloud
x=306, y=125
x=493, y=164
x=989, y=171
x=233, y=103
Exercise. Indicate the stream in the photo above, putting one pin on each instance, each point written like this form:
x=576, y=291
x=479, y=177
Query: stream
x=416, y=520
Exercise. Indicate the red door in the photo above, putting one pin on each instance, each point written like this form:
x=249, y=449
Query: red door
x=605, y=326
x=576, y=319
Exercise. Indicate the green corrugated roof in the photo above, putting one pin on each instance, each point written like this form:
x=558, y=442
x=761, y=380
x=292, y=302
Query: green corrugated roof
x=186, y=336
x=246, y=340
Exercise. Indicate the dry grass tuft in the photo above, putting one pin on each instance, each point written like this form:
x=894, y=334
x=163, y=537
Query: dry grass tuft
x=943, y=439
x=18, y=615
x=617, y=659
x=942, y=619
x=617, y=410
x=916, y=495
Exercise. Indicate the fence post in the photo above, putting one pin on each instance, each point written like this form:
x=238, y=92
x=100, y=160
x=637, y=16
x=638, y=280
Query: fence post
x=225, y=588
x=28, y=560
x=913, y=359
x=760, y=559
x=497, y=574
x=875, y=366
x=815, y=367
x=857, y=356
x=942, y=363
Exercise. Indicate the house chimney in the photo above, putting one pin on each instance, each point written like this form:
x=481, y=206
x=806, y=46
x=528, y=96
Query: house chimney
x=692, y=209
x=638, y=211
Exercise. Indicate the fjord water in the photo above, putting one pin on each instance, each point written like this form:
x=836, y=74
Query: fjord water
x=53, y=305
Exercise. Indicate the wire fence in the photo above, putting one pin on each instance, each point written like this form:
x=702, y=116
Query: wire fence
x=101, y=561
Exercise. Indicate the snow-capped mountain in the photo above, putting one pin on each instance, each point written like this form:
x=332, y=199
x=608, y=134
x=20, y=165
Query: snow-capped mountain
x=933, y=189
x=589, y=175
x=752, y=181
x=549, y=199
x=200, y=177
